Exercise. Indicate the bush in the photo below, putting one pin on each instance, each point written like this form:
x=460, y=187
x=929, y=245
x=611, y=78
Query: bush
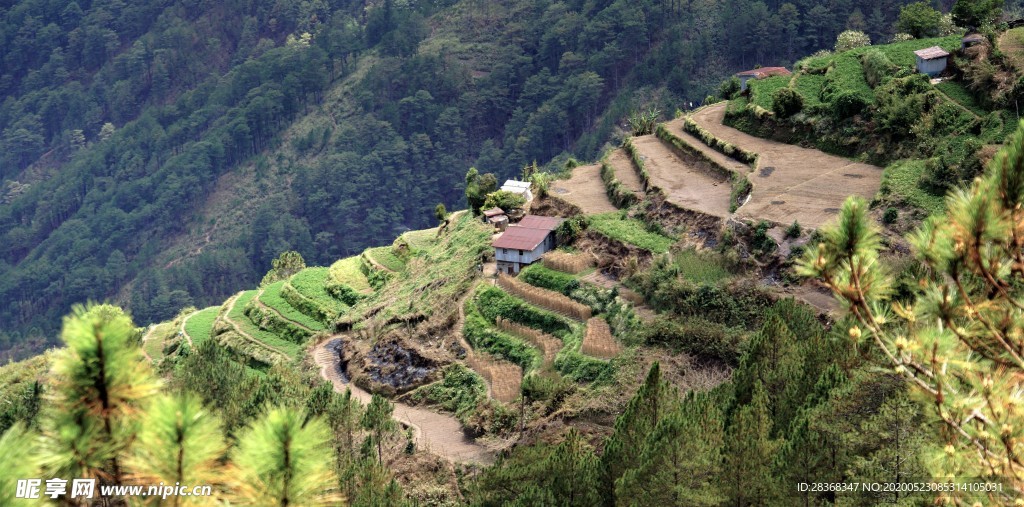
x=786, y=102
x=794, y=230
x=890, y=215
x=762, y=242
x=642, y=122
x=729, y=88
x=695, y=336
x=540, y=276
x=851, y=39
x=847, y=104
x=505, y=200
x=939, y=175
x=877, y=67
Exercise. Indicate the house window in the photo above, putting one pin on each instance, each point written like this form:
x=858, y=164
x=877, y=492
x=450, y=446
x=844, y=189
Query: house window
x=520, y=252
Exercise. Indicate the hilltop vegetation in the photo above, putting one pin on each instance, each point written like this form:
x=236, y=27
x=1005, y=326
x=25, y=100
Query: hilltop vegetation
x=161, y=154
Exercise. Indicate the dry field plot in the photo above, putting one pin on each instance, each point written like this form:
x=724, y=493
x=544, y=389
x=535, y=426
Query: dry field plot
x=543, y=341
x=568, y=262
x=684, y=186
x=584, y=189
x=505, y=378
x=793, y=183
x=625, y=172
x=598, y=342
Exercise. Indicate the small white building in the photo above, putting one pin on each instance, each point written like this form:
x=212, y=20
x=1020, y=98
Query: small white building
x=518, y=187
x=931, y=61
x=524, y=243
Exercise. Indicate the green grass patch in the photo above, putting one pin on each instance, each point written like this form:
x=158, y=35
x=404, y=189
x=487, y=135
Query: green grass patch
x=494, y=302
x=808, y=86
x=272, y=297
x=237, y=315
x=962, y=96
x=482, y=335
x=385, y=256
x=311, y=283
x=628, y=230
x=901, y=181
x=200, y=325
x=421, y=239
x=346, y=271
x=459, y=392
x=154, y=346
x=762, y=90
x=539, y=276
x=701, y=267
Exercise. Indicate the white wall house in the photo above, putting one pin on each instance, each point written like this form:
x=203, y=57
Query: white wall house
x=519, y=187
x=931, y=61
x=524, y=243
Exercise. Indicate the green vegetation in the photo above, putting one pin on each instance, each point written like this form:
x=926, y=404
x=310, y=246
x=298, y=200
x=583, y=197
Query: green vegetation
x=385, y=256
x=902, y=182
x=459, y=391
x=238, y=318
x=630, y=231
x=493, y=302
x=200, y=325
x=959, y=94
x=540, y=276
x=307, y=292
x=272, y=298
x=700, y=266
x=763, y=90
x=482, y=335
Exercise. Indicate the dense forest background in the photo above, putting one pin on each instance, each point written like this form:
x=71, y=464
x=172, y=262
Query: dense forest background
x=159, y=154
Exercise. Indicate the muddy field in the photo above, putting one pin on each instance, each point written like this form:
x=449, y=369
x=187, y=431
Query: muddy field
x=792, y=183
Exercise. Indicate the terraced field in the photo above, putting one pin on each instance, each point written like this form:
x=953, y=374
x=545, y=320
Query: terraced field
x=683, y=184
x=307, y=292
x=347, y=272
x=384, y=257
x=271, y=298
x=584, y=189
x=199, y=325
x=790, y=182
x=237, y=318
x=625, y=172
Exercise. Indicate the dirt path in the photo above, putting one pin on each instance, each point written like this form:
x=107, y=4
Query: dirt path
x=181, y=329
x=684, y=186
x=625, y=172
x=145, y=338
x=790, y=182
x=584, y=189
x=436, y=433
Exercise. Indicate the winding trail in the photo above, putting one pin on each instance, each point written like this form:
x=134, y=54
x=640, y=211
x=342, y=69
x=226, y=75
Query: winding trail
x=438, y=434
x=181, y=329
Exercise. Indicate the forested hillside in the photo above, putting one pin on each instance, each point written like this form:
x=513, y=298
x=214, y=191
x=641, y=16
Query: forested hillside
x=160, y=154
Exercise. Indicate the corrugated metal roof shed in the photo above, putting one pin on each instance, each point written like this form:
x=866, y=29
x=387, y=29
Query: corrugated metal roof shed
x=931, y=53
x=521, y=238
x=539, y=222
x=493, y=212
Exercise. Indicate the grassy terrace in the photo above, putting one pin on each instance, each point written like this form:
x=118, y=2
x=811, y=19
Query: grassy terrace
x=631, y=231
x=272, y=297
x=155, y=345
x=384, y=256
x=200, y=324
x=346, y=271
x=762, y=90
x=902, y=180
x=310, y=282
x=237, y=316
x=421, y=239
x=962, y=96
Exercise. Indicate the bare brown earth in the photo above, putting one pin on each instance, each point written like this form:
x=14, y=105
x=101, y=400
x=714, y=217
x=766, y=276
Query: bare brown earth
x=625, y=172
x=791, y=183
x=437, y=433
x=683, y=185
x=584, y=189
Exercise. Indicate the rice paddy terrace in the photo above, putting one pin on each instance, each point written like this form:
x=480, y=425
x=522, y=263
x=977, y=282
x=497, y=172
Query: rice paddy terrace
x=426, y=299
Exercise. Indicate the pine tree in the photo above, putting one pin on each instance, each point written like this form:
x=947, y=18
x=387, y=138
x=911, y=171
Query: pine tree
x=377, y=419
x=652, y=401
x=681, y=460
x=887, y=450
x=99, y=385
x=19, y=454
x=750, y=452
x=573, y=472
x=181, y=442
x=959, y=339
x=281, y=461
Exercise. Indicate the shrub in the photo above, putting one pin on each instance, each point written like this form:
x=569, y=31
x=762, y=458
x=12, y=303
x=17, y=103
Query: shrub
x=642, y=122
x=851, y=39
x=939, y=175
x=541, y=276
x=794, y=230
x=570, y=229
x=877, y=67
x=505, y=200
x=695, y=336
x=847, y=104
x=786, y=102
x=762, y=242
x=919, y=19
x=729, y=88
x=890, y=215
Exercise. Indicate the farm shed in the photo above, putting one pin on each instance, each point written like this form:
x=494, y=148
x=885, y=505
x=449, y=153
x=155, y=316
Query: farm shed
x=524, y=243
x=971, y=40
x=931, y=61
x=518, y=187
x=760, y=73
x=496, y=217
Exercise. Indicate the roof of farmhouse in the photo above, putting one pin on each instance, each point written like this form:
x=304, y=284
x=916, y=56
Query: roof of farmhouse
x=931, y=53
x=521, y=238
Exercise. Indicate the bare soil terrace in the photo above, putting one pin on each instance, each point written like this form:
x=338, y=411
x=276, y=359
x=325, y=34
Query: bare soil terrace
x=684, y=185
x=584, y=189
x=792, y=183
